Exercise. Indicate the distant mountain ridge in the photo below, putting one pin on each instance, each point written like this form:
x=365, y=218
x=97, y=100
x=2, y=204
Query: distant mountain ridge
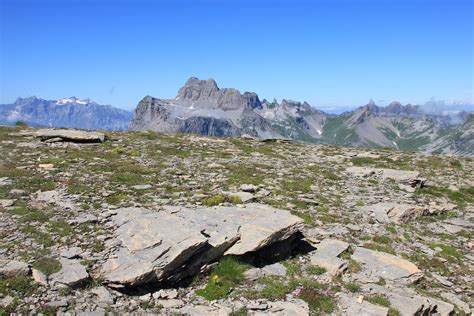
x=202, y=107
x=68, y=112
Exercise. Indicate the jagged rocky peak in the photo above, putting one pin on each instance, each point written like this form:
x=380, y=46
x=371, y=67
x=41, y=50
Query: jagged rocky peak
x=372, y=107
x=206, y=93
x=194, y=89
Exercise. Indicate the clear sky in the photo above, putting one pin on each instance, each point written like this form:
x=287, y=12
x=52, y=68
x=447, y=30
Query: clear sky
x=331, y=53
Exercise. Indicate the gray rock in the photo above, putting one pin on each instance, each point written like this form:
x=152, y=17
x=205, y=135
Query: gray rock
x=248, y=188
x=39, y=277
x=174, y=303
x=393, y=212
x=376, y=265
x=204, y=310
x=156, y=245
x=456, y=301
x=71, y=253
x=68, y=135
x=293, y=307
x=72, y=273
x=58, y=303
x=13, y=268
x=103, y=295
x=327, y=255
x=351, y=306
x=245, y=197
x=141, y=186
x=276, y=269
x=7, y=203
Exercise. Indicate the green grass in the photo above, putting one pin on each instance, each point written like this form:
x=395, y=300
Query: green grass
x=318, y=303
x=378, y=300
x=382, y=240
x=214, y=200
x=227, y=274
x=47, y=265
x=21, y=286
x=308, y=219
x=219, y=199
x=352, y=287
x=448, y=251
x=315, y=270
x=461, y=198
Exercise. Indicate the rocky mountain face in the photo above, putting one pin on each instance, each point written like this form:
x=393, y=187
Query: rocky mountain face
x=201, y=107
x=150, y=223
x=69, y=112
x=401, y=127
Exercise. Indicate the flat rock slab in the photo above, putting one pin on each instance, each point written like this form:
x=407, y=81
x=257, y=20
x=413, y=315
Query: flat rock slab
x=294, y=307
x=205, y=310
x=376, y=265
x=13, y=268
x=69, y=135
x=406, y=177
x=408, y=302
x=176, y=242
x=72, y=273
x=276, y=269
x=327, y=254
x=385, y=212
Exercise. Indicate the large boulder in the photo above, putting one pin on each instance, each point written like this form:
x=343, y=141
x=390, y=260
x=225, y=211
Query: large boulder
x=176, y=242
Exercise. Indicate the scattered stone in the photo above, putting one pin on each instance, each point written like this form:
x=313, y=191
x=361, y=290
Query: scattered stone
x=13, y=268
x=327, y=255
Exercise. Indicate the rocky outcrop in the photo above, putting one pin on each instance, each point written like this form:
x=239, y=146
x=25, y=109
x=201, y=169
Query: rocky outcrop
x=65, y=135
x=176, y=242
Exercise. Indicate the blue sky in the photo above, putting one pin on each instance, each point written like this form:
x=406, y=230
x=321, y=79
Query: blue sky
x=331, y=53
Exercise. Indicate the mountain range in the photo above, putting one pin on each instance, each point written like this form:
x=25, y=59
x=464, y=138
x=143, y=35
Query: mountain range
x=68, y=112
x=202, y=107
